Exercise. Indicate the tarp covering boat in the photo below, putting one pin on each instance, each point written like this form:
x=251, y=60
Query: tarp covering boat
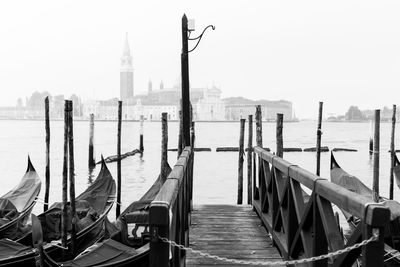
x=120, y=250
x=392, y=231
x=107, y=253
x=92, y=206
x=352, y=183
x=16, y=205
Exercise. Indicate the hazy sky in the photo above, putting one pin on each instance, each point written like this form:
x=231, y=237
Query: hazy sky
x=339, y=52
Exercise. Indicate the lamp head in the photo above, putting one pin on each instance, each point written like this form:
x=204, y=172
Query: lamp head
x=191, y=25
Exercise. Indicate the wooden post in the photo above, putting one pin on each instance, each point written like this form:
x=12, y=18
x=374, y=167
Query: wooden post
x=164, y=141
x=259, y=126
x=240, y=162
x=141, y=147
x=72, y=177
x=249, y=161
x=371, y=142
x=279, y=135
x=392, y=152
x=375, y=186
x=185, y=84
x=92, y=161
x=319, y=133
x=64, y=215
x=118, y=208
x=192, y=144
x=180, y=131
x=47, y=172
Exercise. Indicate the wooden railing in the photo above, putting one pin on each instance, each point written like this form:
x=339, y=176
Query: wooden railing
x=303, y=225
x=170, y=214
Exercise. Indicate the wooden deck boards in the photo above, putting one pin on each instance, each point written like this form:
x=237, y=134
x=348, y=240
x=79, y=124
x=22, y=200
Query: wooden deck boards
x=228, y=231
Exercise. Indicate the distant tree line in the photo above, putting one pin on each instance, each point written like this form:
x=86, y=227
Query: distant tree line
x=36, y=102
x=355, y=114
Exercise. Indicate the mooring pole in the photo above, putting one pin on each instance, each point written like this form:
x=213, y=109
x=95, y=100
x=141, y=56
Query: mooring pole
x=259, y=126
x=249, y=160
x=319, y=134
x=164, y=142
x=92, y=160
x=392, y=152
x=240, y=162
x=279, y=135
x=185, y=83
x=118, y=208
x=64, y=215
x=72, y=177
x=371, y=142
x=375, y=186
x=141, y=147
x=47, y=171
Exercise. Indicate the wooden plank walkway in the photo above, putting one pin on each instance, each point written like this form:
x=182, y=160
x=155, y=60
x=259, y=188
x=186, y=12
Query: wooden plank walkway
x=229, y=231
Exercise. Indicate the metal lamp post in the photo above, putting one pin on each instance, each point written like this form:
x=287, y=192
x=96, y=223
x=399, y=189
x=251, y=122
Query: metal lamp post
x=186, y=120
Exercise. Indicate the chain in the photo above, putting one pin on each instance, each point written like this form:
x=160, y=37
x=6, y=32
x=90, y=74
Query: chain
x=374, y=237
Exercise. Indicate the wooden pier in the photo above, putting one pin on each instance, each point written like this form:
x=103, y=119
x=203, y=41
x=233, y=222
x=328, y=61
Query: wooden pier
x=230, y=231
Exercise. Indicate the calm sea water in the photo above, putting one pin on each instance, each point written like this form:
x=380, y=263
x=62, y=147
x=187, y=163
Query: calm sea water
x=215, y=174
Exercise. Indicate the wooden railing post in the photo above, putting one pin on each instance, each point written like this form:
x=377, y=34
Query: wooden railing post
x=159, y=227
x=240, y=163
x=376, y=219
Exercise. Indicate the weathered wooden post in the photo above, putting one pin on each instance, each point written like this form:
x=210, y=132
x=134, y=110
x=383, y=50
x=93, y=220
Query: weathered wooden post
x=375, y=185
x=192, y=145
x=72, y=177
x=240, y=162
x=64, y=215
x=164, y=142
x=319, y=133
x=249, y=160
x=180, y=131
x=279, y=135
x=47, y=172
x=118, y=208
x=392, y=152
x=259, y=143
x=92, y=160
x=259, y=126
x=141, y=147
x=371, y=142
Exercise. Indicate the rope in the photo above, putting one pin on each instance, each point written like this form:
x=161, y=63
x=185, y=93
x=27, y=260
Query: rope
x=374, y=237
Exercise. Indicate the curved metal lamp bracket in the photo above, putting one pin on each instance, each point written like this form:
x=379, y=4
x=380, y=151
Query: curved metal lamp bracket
x=199, y=37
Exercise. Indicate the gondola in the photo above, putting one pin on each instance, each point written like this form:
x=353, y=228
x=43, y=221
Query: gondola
x=352, y=183
x=122, y=248
x=17, y=204
x=92, y=207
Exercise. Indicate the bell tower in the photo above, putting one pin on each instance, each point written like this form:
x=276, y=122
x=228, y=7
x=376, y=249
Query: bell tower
x=126, y=73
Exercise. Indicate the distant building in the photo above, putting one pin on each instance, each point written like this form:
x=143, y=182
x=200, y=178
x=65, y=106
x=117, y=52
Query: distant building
x=240, y=108
x=126, y=73
x=206, y=102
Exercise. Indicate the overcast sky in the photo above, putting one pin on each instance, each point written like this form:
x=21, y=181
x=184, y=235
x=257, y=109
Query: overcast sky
x=339, y=52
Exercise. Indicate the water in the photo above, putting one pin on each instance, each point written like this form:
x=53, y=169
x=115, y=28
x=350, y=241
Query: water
x=215, y=174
